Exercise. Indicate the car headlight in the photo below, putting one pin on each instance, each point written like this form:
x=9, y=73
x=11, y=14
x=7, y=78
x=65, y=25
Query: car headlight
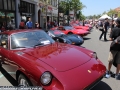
x=46, y=78
x=93, y=55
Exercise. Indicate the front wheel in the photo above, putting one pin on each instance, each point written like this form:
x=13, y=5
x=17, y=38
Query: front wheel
x=23, y=81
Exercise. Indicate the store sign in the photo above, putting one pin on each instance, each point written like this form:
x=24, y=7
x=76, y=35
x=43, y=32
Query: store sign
x=49, y=9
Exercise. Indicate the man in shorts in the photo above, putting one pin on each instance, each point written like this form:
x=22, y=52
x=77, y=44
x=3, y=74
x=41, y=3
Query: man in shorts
x=114, y=55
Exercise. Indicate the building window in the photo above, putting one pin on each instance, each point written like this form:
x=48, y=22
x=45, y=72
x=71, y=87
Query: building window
x=1, y=4
x=13, y=4
x=5, y=4
x=9, y=4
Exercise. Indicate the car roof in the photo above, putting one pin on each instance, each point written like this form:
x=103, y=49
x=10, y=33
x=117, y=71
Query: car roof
x=19, y=30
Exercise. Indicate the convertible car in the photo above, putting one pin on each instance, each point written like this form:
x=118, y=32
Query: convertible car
x=38, y=60
x=59, y=36
x=71, y=30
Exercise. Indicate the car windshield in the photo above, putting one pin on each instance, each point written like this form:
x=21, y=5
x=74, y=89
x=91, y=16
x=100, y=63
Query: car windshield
x=30, y=39
x=57, y=32
x=68, y=28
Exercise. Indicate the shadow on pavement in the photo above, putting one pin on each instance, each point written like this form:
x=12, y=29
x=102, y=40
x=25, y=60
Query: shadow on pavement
x=85, y=38
x=8, y=77
x=102, y=86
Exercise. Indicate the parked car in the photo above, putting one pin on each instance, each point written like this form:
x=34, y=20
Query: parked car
x=38, y=60
x=71, y=30
x=76, y=26
x=59, y=36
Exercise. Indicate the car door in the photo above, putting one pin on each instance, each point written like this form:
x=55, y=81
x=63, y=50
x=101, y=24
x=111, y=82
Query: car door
x=5, y=53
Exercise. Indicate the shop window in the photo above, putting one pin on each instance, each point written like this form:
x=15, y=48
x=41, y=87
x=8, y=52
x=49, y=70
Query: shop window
x=10, y=20
x=1, y=4
x=9, y=4
x=5, y=4
x=13, y=4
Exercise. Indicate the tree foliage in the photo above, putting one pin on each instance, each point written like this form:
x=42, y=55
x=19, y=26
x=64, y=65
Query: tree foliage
x=113, y=12
x=72, y=5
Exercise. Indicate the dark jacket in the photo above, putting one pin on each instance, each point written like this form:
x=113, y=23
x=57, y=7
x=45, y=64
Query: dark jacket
x=115, y=34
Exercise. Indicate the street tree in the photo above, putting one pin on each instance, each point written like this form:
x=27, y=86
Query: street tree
x=72, y=5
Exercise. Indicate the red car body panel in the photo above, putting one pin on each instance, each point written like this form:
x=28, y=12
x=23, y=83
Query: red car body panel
x=80, y=32
x=70, y=72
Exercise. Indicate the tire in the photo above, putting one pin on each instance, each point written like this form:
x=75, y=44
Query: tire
x=70, y=33
x=23, y=81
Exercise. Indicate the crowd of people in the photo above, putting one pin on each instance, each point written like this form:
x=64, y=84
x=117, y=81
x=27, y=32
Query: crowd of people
x=114, y=52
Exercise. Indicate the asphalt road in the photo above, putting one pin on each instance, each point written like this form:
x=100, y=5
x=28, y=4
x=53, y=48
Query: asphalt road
x=91, y=42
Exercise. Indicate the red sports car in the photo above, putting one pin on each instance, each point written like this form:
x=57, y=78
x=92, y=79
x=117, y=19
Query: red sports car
x=76, y=26
x=71, y=30
x=38, y=60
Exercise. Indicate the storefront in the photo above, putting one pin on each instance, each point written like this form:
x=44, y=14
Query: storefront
x=7, y=13
x=26, y=10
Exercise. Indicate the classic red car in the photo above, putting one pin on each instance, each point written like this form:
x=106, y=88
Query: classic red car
x=71, y=30
x=76, y=26
x=40, y=61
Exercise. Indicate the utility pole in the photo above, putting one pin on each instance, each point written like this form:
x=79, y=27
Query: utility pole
x=68, y=10
x=58, y=12
x=46, y=17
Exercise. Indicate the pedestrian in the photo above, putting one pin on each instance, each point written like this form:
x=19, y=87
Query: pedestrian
x=114, y=55
x=37, y=25
x=22, y=25
x=106, y=25
x=29, y=24
x=101, y=28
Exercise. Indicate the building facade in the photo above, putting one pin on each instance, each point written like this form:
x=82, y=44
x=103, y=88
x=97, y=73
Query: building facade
x=13, y=11
x=47, y=9
x=7, y=12
x=26, y=9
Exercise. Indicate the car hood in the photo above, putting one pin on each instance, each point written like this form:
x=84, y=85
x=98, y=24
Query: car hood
x=59, y=56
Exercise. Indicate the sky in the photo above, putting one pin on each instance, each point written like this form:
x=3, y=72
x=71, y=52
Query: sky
x=95, y=7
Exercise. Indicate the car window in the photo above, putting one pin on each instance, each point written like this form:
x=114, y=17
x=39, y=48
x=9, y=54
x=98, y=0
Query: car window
x=4, y=41
x=30, y=39
x=68, y=28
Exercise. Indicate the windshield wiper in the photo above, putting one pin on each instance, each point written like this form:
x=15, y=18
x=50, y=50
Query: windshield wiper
x=39, y=44
x=20, y=47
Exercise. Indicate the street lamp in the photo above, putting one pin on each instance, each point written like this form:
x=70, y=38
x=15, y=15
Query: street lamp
x=58, y=13
x=46, y=5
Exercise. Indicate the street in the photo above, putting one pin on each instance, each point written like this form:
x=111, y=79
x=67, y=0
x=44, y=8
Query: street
x=92, y=42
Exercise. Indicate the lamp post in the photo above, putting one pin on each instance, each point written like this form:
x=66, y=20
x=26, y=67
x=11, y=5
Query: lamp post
x=46, y=7
x=58, y=13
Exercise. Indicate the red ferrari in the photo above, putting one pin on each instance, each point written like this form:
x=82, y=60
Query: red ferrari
x=76, y=26
x=38, y=60
x=71, y=30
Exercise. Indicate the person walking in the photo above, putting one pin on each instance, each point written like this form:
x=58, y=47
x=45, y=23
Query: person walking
x=114, y=55
x=101, y=29
x=106, y=25
x=29, y=24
